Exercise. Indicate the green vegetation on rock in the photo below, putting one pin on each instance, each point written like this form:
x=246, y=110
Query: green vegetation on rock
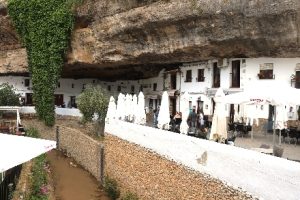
x=44, y=27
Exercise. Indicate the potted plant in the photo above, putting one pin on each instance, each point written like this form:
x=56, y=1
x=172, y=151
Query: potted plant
x=260, y=76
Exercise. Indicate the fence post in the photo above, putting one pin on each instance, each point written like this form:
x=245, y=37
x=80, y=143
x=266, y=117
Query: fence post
x=57, y=137
x=101, y=164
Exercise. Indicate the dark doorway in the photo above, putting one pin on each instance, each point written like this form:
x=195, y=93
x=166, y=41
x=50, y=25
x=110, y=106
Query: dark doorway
x=297, y=84
x=73, y=102
x=231, y=113
x=235, y=73
x=270, y=118
x=173, y=81
x=28, y=101
x=199, y=105
x=59, y=99
x=216, y=76
x=173, y=105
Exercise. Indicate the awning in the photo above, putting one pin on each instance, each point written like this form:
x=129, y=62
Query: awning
x=15, y=150
x=151, y=96
x=158, y=94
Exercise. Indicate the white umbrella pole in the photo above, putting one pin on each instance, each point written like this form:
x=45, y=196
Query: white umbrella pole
x=280, y=137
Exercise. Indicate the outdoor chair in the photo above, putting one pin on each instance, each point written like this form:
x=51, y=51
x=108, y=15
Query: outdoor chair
x=241, y=129
x=293, y=135
x=284, y=133
x=298, y=135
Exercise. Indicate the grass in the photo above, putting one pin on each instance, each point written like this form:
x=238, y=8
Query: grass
x=39, y=181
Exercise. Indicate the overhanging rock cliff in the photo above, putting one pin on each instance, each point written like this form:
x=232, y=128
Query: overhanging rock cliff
x=137, y=38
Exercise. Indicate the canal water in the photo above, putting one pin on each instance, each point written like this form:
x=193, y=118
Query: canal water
x=71, y=182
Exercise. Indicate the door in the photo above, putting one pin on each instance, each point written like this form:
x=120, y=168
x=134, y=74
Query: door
x=73, y=102
x=28, y=101
x=59, y=99
x=235, y=73
x=270, y=118
x=231, y=113
x=172, y=105
x=173, y=81
x=216, y=76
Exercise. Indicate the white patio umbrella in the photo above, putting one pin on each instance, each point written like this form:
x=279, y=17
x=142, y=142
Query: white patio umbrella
x=164, y=112
x=184, y=108
x=128, y=107
x=140, y=112
x=281, y=119
x=219, y=124
x=134, y=107
x=15, y=150
x=277, y=94
x=112, y=110
x=121, y=107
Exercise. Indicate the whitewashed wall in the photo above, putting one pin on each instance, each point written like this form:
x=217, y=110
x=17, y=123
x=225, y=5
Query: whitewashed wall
x=283, y=69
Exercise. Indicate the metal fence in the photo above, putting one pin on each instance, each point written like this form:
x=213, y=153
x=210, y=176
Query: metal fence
x=8, y=185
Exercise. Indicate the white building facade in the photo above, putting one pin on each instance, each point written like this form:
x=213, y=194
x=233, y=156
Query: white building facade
x=199, y=79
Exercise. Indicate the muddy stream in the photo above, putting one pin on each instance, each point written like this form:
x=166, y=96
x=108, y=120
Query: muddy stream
x=71, y=182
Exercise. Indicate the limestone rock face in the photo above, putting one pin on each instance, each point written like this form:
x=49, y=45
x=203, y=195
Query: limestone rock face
x=13, y=58
x=136, y=38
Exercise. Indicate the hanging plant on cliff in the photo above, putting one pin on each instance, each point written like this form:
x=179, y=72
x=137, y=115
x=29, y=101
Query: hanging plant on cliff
x=44, y=27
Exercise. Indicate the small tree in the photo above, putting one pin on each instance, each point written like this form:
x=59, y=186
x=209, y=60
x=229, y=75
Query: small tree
x=8, y=96
x=93, y=101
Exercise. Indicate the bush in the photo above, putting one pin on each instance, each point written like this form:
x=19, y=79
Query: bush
x=130, y=196
x=8, y=96
x=32, y=132
x=39, y=189
x=93, y=100
x=111, y=188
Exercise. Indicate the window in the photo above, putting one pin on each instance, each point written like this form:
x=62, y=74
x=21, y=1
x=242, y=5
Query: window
x=132, y=89
x=72, y=85
x=119, y=88
x=200, y=77
x=58, y=84
x=266, y=71
x=26, y=82
x=83, y=86
x=297, y=83
x=141, y=88
x=94, y=81
x=188, y=77
x=154, y=86
x=109, y=88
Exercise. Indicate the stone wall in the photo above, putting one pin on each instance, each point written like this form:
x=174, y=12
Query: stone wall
x=78, y=145
x=84, y=149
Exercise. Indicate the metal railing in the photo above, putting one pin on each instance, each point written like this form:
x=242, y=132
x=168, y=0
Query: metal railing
x=8, y=185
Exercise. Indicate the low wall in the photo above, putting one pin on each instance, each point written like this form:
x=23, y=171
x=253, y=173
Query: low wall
x=59, y=111
x=262, y=175
x=85, y=150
